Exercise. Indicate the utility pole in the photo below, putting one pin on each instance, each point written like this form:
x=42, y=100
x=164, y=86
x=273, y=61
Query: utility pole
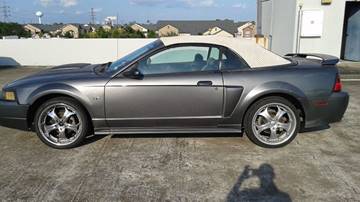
x=92, y=15
x=117, y=19
x=5, y=9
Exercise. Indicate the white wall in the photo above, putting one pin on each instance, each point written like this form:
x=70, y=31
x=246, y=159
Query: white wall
x=50, y=52
x=280, y=23
x=331, y=40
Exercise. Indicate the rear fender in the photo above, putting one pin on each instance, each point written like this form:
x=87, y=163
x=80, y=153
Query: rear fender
x=268, y=89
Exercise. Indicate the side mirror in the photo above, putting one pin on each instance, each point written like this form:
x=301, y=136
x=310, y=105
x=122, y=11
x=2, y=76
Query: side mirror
x=134, y=74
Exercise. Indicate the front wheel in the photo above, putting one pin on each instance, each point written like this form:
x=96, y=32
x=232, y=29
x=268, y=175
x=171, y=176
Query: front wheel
x=272, y=122
x=61, y=123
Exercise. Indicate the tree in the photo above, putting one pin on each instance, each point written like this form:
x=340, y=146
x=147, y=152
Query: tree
x=102, y=33
x=169, y=34
x=116, y=33
x=152, y=34
x=123, y=32
x=7, y=29
x=69, y=35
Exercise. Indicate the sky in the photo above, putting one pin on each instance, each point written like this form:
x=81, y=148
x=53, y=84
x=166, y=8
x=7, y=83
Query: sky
x=142, y=11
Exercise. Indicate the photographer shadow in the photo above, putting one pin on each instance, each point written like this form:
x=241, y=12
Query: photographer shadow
x=267, y=191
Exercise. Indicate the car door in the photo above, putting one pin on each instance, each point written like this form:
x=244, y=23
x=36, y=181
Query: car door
x=179, y=86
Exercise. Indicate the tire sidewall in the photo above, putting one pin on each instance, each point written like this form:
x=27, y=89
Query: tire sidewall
x=81, y=113
x=255, y=107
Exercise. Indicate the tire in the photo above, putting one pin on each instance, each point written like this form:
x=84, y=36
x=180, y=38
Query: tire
x=267, y=126
x=62, y=123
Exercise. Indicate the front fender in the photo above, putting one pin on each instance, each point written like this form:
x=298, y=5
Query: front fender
x=62, y=89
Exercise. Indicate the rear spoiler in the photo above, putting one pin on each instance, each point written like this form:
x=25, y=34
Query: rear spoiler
x=326, y=59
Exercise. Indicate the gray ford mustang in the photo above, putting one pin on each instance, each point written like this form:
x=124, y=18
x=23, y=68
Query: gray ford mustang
x=180, y=85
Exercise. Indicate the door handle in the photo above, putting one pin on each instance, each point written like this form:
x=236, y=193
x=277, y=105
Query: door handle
x=205, y=83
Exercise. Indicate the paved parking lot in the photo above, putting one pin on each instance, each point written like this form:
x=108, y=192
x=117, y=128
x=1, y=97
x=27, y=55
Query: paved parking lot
x=317, y=166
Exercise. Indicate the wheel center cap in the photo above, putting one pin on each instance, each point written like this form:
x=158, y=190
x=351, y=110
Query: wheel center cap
x=273, y=123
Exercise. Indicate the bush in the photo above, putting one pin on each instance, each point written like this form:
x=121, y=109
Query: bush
x=152, y=34
x=69, y=35
x=123, y=32
x=8, y=29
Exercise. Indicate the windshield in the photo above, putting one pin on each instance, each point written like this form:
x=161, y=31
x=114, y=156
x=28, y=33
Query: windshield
x=121, y=63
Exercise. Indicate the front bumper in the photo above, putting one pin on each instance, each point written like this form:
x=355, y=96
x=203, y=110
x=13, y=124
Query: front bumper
x=333, y=111
x=13, y=115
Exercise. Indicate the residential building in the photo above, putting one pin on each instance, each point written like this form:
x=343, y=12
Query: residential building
x=218, y=32
x=33, y=29
x=168, y=30
x=87, y=28
x=247, y=30
x=53, y=30
x=311, y=26
x=139, y=27
x=72, y=29
x=200, y=27
x=107, y=27
x=203, y=27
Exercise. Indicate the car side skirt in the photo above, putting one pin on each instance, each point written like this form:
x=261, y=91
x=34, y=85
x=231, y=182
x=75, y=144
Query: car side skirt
x=152, y=130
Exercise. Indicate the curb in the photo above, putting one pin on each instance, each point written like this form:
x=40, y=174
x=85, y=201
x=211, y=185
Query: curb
x=350, y=77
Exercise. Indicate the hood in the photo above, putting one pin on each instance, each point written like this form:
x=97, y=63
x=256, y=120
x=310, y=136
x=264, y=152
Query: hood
x=57, y=74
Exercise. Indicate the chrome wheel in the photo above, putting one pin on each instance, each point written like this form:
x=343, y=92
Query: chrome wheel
x=274, y=124
x=60, y=124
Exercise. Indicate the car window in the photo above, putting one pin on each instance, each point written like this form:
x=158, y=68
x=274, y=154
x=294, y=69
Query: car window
x=230, y=61
x=117, y=65
x=215, y=53
x=179, y=55
x=181, y=59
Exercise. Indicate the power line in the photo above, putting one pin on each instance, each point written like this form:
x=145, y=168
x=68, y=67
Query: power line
x=6, y=13
x=93, y=15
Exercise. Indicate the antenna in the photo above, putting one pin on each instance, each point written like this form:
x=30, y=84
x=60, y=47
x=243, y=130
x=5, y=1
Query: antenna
x=92, y=15
x=5, y=9
x=39, y=14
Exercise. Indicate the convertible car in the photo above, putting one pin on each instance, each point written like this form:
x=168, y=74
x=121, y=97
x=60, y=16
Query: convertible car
x=180, y=85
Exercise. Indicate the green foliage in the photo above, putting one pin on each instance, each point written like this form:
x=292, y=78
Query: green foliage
x=152, y=34
x=171, y=34
x=7, y=29
x=116, y=33
x=69, y=35
x=123, y=32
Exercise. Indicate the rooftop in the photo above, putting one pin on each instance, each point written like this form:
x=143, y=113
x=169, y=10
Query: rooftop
x=194, y=27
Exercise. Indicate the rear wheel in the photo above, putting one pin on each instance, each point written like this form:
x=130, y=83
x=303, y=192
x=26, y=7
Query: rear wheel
x=61, y=123
x=272, y=122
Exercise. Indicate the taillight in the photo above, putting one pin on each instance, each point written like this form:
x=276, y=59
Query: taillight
x=338, y=85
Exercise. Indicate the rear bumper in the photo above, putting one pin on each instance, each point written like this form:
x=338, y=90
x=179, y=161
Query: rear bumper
x=333, y=111
x=13, y=115
x=338, y=104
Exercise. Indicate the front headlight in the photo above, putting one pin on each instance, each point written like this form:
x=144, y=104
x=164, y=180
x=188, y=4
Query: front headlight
x=9, y=96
